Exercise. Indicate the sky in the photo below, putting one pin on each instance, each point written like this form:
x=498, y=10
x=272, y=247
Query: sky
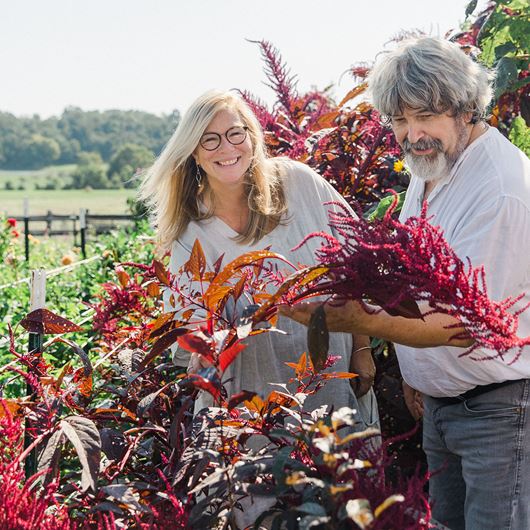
x=159, y=55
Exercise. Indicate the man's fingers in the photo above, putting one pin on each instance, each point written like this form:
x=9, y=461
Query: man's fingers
x=300, y=312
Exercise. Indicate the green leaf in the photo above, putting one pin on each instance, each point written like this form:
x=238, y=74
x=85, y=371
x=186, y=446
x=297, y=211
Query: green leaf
x=471, y=7
x=506, y=74
x=384, y=205
x=504, y=49
x=520, y=135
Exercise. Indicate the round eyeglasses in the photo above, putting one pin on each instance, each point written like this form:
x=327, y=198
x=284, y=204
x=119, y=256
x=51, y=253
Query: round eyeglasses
x=235, y=135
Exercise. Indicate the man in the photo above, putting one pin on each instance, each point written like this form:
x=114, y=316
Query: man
x=477, y=184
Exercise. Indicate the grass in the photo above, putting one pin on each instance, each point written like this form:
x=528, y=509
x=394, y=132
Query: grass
x=31, y=177
x=65, y=201
x=56, y=201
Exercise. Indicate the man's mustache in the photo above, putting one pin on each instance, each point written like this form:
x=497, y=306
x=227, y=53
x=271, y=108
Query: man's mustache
x=422, y=145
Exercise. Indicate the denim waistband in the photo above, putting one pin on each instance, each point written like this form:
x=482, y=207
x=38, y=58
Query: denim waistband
x=474, y=392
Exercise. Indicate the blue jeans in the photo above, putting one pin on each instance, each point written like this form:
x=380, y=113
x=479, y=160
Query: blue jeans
x=479, y=452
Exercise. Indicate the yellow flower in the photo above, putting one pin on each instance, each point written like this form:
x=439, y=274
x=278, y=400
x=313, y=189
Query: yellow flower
x=398, y=166
x=67, y=259
x=33, y=239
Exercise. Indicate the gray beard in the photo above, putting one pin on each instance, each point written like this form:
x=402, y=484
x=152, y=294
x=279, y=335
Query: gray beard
x=436, y=167
x=429, y=168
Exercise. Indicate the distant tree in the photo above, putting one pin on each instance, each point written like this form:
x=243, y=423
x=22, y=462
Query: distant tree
x=126, y=162
x=8, y=185
x=86, y=158
x=90, y=173
x=41, y=151
x=32, y=143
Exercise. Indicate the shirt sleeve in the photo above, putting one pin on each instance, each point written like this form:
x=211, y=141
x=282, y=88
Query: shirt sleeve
x=498, y=238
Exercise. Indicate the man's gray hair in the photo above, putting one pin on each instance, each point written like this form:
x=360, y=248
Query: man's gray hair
x=432, y=74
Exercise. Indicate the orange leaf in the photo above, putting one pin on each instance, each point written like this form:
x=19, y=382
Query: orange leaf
x=213, y=297
x=354, y=92
x=153, y=289
x=255, y=404
x=197, y=262
x=164, y=318
x=278, y=398
x=123, y=276
x=339, y=375
x=327, y=120
x=12, y=407
x=242, y=261
x=161, y=272
x=83, y=382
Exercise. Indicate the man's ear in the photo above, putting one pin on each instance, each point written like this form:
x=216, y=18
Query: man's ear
x=468, y=118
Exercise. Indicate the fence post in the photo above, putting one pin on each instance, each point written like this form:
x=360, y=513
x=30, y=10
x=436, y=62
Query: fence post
x=38, y=301
x=49, y=222
x=82, y=227
x=25, y=207
x=74, y=221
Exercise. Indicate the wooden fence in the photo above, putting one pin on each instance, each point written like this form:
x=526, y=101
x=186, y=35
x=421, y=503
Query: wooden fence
x=79, y=226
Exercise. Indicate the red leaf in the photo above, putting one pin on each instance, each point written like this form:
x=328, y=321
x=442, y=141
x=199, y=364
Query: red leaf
x=236, y=399
x=48, y=323
x=203, y=383
x=164, y=342
x=195, y=344
x=228, y=356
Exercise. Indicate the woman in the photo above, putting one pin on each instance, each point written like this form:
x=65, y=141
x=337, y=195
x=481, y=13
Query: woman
x=214, y=182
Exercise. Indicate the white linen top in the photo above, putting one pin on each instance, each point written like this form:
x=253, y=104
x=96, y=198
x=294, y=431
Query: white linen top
x=483, y=208
x=263, y=361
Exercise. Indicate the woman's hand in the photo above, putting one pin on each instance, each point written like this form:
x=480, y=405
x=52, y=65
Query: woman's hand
x=362, y=364
x=197, y=362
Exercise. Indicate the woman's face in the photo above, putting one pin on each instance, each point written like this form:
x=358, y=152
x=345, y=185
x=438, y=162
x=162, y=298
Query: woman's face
x=228, y=163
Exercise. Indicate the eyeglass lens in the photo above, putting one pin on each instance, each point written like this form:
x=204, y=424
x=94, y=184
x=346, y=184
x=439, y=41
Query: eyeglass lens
x=234, y=135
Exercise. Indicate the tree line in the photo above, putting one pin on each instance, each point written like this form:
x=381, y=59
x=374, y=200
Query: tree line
x=107, y=146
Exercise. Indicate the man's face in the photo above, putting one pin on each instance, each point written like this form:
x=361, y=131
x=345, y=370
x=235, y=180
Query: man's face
x=431, y=142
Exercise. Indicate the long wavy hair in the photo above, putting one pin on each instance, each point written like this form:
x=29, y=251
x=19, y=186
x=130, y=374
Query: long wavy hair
x=172, y=193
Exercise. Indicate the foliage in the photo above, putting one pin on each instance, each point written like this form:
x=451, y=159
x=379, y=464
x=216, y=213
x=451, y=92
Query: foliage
x=346, y=143
x=126, y=162
x=398, y=264
x=22, y=507
x=32, y=142
x=135, y=410
x=500, y=33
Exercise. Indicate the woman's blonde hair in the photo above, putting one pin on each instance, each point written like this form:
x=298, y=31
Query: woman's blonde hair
x=170, y=187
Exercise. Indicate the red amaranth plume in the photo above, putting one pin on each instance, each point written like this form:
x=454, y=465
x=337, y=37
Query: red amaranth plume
x=280, y=78
x=395, y=264
x=22, y=505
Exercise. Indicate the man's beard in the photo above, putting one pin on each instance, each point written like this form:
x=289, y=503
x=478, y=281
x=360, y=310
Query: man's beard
x=437, y=165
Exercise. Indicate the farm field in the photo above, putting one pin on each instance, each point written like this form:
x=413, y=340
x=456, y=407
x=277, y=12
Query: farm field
x=30, y=178
x=65, y=201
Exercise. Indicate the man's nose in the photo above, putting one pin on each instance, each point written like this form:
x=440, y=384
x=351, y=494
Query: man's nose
x=414, y=133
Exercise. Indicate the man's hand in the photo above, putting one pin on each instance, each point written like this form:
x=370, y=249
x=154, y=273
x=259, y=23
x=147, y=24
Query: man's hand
x=345, y=316
x=413, y=400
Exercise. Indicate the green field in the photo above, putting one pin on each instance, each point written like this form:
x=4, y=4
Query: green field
x=30, y=178
x=65, y=201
